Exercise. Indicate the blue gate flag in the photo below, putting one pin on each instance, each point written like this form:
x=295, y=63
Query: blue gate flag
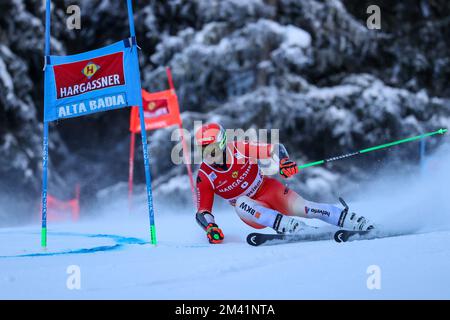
x=89, y=82
x=93, y=81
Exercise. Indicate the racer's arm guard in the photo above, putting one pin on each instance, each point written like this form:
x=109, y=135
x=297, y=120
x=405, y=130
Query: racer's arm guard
x=204, y=218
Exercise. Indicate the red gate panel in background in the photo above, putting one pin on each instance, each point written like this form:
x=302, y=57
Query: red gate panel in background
x=64, y=210
x=161, y=109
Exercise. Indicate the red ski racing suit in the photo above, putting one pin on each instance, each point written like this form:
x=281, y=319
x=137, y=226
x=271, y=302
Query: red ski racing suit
x=240, y=177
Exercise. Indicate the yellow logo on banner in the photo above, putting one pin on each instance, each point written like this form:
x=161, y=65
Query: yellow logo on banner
x=151, y=106
x=235, y=174
x=90, y=70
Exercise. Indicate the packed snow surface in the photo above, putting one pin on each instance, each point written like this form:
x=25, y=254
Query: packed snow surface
x=117, y=262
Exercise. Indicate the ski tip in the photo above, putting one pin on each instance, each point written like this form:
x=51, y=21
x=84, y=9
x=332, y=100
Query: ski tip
x=345, y=235
x=339, y=236
x=251, y=239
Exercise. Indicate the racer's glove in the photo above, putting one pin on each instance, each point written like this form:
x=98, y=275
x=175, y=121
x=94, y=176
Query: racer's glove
x=214, y=234
x=288, y=168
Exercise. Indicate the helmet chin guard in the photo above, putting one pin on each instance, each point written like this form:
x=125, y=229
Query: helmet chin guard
x=212, y=139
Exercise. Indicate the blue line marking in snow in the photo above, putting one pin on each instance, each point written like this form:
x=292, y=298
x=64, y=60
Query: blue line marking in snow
x=120, y=242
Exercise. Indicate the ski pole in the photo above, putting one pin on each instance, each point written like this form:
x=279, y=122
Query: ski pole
x=381, y=146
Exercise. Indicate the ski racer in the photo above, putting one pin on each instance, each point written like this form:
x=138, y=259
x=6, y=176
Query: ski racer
x=231, y=170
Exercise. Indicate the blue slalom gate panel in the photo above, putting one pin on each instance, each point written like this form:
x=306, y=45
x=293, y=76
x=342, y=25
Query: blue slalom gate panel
x=90, y=82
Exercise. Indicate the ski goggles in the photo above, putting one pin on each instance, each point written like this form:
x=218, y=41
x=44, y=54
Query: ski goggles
x=214, y=151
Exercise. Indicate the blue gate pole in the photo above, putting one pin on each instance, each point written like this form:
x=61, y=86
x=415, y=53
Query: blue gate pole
x=131, y=18
x=148, y=177
x=45, y=140
x=44, y=187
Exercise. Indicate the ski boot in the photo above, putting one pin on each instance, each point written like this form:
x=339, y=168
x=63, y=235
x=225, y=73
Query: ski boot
x=351, y=221
x=287, y=225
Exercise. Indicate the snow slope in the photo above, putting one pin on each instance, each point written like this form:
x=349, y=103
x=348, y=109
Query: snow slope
x=413, y=266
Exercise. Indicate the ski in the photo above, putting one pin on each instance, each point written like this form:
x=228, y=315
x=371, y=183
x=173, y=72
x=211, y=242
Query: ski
x=257, y=239
x=349, y=235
